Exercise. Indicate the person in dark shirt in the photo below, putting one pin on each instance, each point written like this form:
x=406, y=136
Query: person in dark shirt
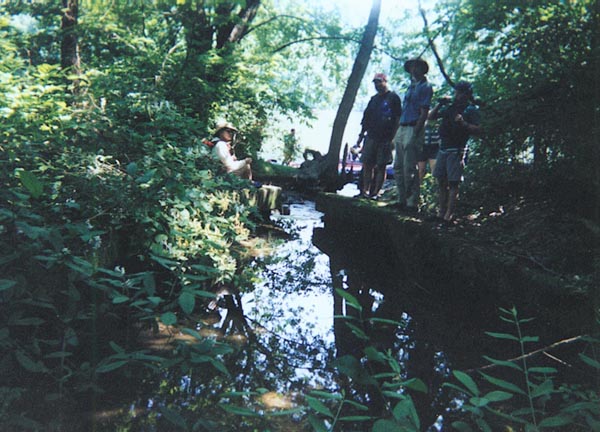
x=459, y=120
x=379, y=122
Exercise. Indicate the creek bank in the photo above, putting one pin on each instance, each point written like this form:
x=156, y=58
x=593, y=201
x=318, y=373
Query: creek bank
x=449, y=264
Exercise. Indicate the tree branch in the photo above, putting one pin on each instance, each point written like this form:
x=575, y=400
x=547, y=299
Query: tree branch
x=538, y=351
x=431, y=45
x=284, y=46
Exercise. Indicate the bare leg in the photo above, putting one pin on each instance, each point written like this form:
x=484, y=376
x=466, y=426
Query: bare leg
x=432, y=165
x=367, y=178
x=379, y=179
x=422, y=169
x=452, y=199
x=443, y=197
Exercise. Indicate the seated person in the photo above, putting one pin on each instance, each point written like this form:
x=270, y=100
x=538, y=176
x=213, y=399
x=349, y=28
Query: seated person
x=224, y=136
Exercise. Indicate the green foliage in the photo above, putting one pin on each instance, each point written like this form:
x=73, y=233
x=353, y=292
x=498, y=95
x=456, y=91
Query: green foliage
x=535, y=66
x=535, y=402
x=375, y=370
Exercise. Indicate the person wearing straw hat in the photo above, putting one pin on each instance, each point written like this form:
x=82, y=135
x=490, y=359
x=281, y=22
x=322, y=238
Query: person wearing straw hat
x=411, y=134
x=225, y=134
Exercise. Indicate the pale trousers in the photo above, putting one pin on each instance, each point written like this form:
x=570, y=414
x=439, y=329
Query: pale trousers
x=406, y=172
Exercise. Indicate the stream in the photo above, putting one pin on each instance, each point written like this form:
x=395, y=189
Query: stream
x=291, y=328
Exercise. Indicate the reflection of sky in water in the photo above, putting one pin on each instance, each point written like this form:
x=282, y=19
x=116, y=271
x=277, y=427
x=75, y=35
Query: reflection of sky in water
x=294, y=299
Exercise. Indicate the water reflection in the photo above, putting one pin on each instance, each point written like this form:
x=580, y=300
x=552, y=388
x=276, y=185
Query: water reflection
x=284, y=335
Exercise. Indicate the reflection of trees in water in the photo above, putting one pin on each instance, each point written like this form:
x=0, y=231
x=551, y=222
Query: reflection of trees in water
x=407, y=342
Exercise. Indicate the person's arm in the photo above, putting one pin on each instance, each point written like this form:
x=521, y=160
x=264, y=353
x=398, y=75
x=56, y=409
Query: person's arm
x=435, y=112
x=423, y=113
x=472, y=128
x=426, y=94
x=470, y=121
x=226, y=158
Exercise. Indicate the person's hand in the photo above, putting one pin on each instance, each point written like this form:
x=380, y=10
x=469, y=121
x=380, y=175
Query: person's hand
x=248, y=160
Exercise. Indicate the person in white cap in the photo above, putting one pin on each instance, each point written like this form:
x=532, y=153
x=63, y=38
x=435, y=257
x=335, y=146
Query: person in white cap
x=379, y=122
x=224, y=136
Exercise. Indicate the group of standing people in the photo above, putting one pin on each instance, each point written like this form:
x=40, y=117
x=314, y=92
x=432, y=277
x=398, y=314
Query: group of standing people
x=390, y=123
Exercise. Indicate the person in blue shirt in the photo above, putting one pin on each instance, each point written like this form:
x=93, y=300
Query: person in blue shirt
x=410, y=137
x=459, y=120
x=379, y=122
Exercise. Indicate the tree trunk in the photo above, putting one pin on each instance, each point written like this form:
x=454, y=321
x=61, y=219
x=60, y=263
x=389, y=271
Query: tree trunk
x=328, y=172
x=69, y=50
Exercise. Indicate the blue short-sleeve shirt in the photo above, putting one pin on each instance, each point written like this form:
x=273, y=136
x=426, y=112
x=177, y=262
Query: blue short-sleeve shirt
x=416, y=97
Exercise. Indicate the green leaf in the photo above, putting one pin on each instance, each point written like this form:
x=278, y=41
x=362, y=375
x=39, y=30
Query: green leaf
x=374, y=355
x=192, y=333
x=28, y=363
x=544, y=389
x=29, y=321
x=318, y=406
x=6, y=284
x=383, y=425
x=356, y=418
x=325, y=395
x=590, y=361
x=110, y=366
x=168, y=318
x=350, y=299
x=317, y=424
x=503, y=363
x=173, y=417
x=386, y=321
x=357, y=331
x=526, y=339
x=543, y=370
x=131, y=168
x=31, y=183
x=219, y=365
x=187, y=301
x=502, y=336
x=356, y=405
x=285, y=412
x=238, y=410
x=467, y=381
x=461, y=426
x=503, y=384
x=479, y=402
x=120, y=299
x=498, y=395
x=556, y=421
x=415, y=384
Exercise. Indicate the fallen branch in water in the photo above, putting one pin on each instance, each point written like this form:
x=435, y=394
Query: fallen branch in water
x=538, y=351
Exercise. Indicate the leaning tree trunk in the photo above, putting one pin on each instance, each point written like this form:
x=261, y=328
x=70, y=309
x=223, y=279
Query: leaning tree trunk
x=328, y=174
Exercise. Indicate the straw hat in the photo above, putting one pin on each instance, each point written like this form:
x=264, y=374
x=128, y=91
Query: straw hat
x=224, y=125
x=424, y=65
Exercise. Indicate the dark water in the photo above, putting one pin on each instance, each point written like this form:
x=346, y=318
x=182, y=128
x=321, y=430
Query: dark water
x=288, y=330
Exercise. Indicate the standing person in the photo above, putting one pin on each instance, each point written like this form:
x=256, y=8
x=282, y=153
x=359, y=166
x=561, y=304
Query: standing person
x=410, y=136
x=379, y=122
x=460, y=120
x=225, y=134
x=290, y=147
